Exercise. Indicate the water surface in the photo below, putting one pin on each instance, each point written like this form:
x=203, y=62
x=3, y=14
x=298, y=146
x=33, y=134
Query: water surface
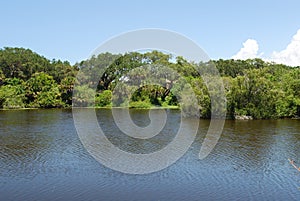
x=42, y=158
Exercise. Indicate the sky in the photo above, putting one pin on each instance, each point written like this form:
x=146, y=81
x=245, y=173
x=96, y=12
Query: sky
x=71, y=30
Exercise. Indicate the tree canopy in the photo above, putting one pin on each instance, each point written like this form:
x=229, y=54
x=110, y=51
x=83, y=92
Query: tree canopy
x=253, y=87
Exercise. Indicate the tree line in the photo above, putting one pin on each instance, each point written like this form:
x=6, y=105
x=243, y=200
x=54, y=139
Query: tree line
x=253, y=87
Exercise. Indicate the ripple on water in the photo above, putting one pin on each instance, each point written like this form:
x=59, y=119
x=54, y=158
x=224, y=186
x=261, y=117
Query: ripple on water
x=43, y=159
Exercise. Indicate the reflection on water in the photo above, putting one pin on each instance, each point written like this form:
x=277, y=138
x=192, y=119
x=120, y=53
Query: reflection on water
x=140, y=118
x=41, y=158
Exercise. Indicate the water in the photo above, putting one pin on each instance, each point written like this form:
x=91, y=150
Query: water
x=42, y=158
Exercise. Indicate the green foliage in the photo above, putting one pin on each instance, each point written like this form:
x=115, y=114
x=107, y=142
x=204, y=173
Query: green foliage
x=49, y=99
x=2, y=77
x=253, y=93
x=31, y=80
x=12, y=96
x=253, y=87
x=140, y=104
x=103, y=99
x=21, y=63
x=66, y=89
x=288, y=101
x=43, y=91
x=84, y=96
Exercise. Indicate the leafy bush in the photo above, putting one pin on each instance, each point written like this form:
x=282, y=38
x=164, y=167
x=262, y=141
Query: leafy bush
x=103, y=99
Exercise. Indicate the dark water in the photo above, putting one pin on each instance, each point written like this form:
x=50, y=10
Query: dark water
x=42, y=158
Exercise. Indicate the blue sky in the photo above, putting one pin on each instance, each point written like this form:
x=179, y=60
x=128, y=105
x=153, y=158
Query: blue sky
x=71, y=30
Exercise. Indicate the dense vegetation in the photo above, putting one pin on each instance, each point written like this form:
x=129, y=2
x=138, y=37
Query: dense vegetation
x=253, y=87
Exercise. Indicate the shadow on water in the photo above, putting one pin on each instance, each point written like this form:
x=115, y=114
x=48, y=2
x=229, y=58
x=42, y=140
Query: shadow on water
x=141, y=119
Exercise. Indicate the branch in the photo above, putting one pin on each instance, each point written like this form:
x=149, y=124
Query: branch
x=293, y=164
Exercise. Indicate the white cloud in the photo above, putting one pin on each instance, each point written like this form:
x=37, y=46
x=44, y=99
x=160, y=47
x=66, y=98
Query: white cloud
x=291, y=55
x=249, y=50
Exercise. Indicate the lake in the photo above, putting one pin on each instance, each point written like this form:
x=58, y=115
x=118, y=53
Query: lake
x=42, y=158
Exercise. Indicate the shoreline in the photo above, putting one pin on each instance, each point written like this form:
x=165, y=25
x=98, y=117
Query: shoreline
x=238, y=118
x=108, y=107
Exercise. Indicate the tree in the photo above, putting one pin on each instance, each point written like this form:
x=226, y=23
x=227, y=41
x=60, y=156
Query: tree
x=12, y=94
x=21, y=63
x=2, y=77
x=288, y=102
x=253, y=87
x=66, y=89
x=253, y=94
x=83, y=96
x=43, y=91
x=60, y=70
x=103, y=99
